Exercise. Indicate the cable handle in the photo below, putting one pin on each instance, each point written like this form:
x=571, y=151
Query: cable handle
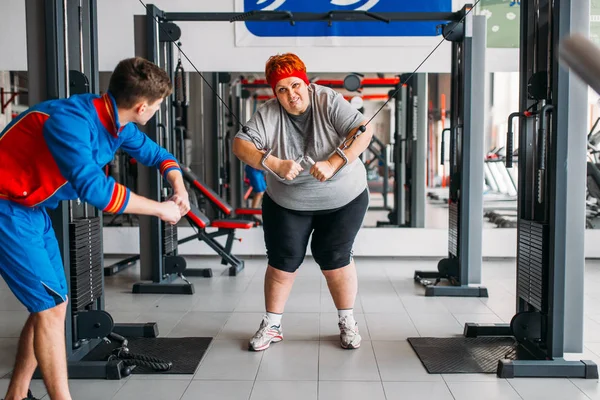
x=263, y=163
x=510, y=138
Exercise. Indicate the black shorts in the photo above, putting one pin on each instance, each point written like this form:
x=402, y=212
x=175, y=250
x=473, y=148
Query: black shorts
x=333, y=233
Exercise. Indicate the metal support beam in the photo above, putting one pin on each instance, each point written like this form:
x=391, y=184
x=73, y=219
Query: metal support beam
x=462, y=268
x=473, y=154
x=419, y=157
x=336, y=15
x=572, y=99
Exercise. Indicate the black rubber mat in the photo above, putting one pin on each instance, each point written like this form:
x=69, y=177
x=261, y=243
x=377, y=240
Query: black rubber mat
x=462, y=355
x=185, y=353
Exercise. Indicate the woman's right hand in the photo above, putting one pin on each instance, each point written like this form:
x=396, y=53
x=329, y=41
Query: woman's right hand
x=288, y=169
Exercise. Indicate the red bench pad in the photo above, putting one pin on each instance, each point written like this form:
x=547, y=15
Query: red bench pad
x=232, y=224
x=248, y=211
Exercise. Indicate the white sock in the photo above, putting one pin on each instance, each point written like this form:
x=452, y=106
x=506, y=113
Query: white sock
x=348, y=312
x=274, y=319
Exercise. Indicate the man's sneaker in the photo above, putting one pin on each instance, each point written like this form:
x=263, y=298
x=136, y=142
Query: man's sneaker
x=29, y=396
x=265, y=336
x=349, y=336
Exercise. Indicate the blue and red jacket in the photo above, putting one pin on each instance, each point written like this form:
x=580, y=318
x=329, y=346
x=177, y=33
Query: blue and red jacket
x=57, y=149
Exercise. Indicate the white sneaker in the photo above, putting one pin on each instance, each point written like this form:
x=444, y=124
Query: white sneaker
x=265, y=335
x=349, y=336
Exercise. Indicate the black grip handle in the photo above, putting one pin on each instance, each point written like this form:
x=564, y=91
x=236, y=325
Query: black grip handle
x=509, y=148
x=443, y=146
x=510, y=139
x=442, y=149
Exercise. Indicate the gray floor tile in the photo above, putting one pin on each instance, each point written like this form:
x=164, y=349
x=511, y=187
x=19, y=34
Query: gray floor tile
x=498, y=390
x=547, y=389
x=241, y=326
x=471, y=378
x=328, y=306
x=217, y=301
x=390, y=326
x=308, y=284
x=377, y=286
x=8, y=301
x=290, y=360
x=130, y=302
x=300, y=326
x=218, y=390
x=8, y=352
x=152, y=390
x=200, y=324
x=94, y=389
x=459, y=305
x=288, y=390
x=417, y=391
x=419, y=305
x=591, y=331
x=304, y=302
x=337, y=364
x=381, y=303
x=591, y=387
x=251, y=301
x=12, y=323
x=437, y=325
x=398, y=362
x=331, y=390
x=175, y=302
x=229, y=360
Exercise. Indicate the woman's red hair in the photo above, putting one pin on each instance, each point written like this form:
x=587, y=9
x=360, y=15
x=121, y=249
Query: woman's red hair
x=284, y=65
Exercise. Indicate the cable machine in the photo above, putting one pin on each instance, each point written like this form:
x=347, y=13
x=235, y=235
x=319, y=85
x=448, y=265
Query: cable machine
x=62, y=55
x=551, y=200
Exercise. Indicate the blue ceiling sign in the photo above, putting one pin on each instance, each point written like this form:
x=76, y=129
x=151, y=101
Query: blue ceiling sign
x=376, y=28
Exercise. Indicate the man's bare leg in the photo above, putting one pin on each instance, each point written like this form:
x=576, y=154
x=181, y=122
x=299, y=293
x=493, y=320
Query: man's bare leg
x=25, y=364
x=50, y=352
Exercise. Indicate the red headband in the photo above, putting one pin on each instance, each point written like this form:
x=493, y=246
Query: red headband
x=273, y=79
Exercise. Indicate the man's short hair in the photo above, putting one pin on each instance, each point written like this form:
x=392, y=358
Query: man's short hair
x=137, y=79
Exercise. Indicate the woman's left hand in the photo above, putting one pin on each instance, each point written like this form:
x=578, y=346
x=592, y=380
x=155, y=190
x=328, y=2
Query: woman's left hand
x=322, y=170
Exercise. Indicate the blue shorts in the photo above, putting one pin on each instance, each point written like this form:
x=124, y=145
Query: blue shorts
x=30, y=260
x=256, y=178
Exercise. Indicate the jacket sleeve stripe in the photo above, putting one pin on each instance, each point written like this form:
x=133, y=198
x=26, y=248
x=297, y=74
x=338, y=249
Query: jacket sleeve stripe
x=117, y=200
x=168, y=164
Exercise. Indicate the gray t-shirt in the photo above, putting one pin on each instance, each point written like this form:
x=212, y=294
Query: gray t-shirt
x=316, y=133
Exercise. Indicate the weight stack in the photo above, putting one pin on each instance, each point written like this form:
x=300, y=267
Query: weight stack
x=86, y=262
x=169, y=238
x=532, y=263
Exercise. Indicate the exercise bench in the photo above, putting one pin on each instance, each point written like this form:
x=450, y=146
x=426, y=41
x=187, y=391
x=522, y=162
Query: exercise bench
x=222, y=206
x=200, y=222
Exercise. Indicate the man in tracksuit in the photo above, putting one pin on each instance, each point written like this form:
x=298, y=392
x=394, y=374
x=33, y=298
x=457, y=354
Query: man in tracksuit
x=56, y=151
